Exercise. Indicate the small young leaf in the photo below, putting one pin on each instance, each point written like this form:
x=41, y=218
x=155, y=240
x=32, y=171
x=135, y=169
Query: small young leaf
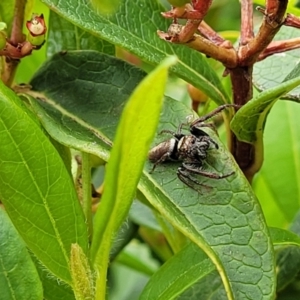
x=135, y=132
x=248, y=123
x=82, y=278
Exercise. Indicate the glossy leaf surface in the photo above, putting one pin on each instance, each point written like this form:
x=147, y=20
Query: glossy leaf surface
x=270, y=72
x=64, y=36
x=36, y=188
x=125, y=28
x=248, y=123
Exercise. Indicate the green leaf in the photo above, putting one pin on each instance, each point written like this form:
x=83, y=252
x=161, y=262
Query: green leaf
x=135, y=132
x=133, y=27
x=277, y=184
x=75, y=120
x=64, y=36
x=288, y=255
x=287, y=265
x=270, y=73
x=133, y=260
x=208, y=288
x=290, y=294
x=53, y=288
x=284, y=237
x=142, y=215
x=222, y=217
x=183, y=270
x=248, y=123
x=124, y=236
x=18, y=276
x=105, y=6
x=127, y=283
x=36, y=189
x=157, y=242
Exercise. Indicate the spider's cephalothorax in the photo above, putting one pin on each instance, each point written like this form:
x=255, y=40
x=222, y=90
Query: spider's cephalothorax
x=191, y=149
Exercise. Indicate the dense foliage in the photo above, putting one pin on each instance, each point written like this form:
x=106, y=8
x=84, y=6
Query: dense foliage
x=97, y=93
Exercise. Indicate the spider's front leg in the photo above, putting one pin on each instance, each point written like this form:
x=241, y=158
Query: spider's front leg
x=200, y=121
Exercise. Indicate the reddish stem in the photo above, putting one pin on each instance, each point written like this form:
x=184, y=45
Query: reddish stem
x=241, y=78
x=292, y=20
x=246, y=21
x=273, y=19
x=207, y=32
x=16, y=32
x=279, y=47
x=16, y=37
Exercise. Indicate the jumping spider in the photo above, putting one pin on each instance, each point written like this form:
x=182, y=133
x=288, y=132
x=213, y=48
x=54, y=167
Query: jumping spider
x=191, y=149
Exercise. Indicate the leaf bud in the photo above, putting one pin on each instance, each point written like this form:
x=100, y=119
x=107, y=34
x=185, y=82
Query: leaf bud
x=26, y=48
x=36, y=25
x=36, y=40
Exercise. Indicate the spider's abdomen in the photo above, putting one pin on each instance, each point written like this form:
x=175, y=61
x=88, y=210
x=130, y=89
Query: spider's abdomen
x=166, y=150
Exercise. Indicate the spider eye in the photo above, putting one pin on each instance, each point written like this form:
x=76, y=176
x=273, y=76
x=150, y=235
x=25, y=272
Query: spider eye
x=191, y=141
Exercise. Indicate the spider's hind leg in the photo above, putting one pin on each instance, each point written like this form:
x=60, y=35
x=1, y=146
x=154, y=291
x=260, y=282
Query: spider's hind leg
x=191, y=182
x=196, y=170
